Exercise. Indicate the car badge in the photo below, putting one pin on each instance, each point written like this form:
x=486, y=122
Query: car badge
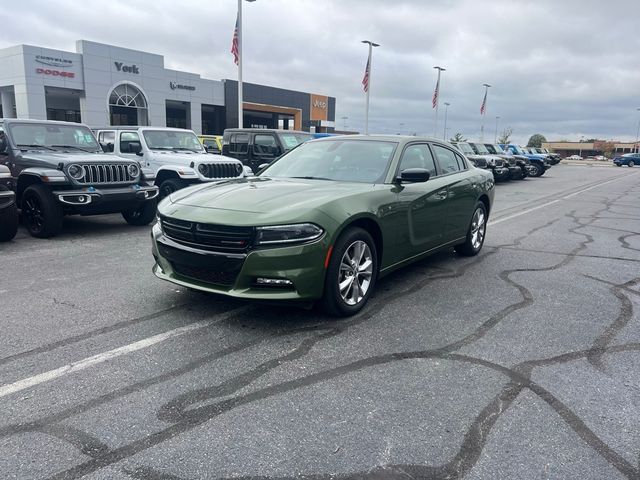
x=91, y=189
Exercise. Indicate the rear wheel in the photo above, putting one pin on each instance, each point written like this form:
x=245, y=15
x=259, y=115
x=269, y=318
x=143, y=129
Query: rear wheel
x=8, y=221
x=41, y=212
x=170, y=185
x=476, y=232
x=141, y=215
x=351, y=274
x=631, y=164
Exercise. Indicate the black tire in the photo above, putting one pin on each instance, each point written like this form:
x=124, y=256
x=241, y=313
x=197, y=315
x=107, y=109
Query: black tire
x=631, y=164
x=332, y=300
x=141, y=215
x=8, y=221
x=618, y=164
x=471, y=245
x=170, y=185
x=539, y=170
x=41, y=212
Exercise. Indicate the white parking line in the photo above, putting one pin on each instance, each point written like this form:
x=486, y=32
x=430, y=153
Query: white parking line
x=537, y=207
x=99, y=358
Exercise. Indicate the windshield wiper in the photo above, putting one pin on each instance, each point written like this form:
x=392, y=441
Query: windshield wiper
x=161, y=148
x=35, y=146
x=184, y=149
x=74, y=147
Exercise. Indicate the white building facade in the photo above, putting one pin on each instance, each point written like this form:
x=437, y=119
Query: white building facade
x=102, y=85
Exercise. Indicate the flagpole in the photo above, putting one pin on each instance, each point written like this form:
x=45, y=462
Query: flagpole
x=437, y=98
x=369, y=63
x=446, y=109
x=240, y=103
x=483, y=110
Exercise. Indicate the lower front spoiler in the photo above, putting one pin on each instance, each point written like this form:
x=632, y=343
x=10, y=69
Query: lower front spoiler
x=235, y=275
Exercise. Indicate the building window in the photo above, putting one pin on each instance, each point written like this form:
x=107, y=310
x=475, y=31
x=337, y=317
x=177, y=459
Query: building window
x=127, y=106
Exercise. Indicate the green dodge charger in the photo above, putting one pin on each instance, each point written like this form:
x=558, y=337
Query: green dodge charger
x=324, y=221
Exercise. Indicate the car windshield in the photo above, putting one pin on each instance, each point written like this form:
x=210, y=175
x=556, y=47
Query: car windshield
x=466, y=148
x=519, y=150
x=341, y=160
x=497, y=149
x=53, y=136
x=292, y=140
x=481, y=148
x=172, y=140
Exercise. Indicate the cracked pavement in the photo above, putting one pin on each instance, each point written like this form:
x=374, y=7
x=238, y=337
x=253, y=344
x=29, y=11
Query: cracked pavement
x=522, y=362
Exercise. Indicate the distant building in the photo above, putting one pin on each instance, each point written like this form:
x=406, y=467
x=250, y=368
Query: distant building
x=588, y=149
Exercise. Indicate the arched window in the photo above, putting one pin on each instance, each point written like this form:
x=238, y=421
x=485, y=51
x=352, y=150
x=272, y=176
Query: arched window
x=127, y=105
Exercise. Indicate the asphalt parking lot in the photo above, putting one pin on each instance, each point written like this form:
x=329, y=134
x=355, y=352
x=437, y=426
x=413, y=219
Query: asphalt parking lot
x=523, y=362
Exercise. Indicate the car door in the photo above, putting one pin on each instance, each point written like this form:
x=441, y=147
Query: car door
x=461, y=191
x=422, y=205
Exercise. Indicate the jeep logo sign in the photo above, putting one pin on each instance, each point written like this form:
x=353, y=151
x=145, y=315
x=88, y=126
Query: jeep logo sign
x=319, y=104
x=178, y=86
x=127, y=68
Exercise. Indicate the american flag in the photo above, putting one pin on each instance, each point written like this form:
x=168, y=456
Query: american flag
x=483, y=107
x=436, y=93
x=234, y=44
x=365, y=79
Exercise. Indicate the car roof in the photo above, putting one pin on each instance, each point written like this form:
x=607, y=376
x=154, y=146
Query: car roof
x=264, y=130
x=400, y=139
x=30, y=120
x=141, y=127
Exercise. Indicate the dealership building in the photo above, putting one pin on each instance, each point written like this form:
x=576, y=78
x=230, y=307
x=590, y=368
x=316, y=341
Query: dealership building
x=103, y=84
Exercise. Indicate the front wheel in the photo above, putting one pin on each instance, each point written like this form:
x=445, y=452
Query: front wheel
x=141, y=215
x=476, y=232
x=631, y=164
x=170, y=185
x=41, y=212
x=351, y=274
x=539, y=170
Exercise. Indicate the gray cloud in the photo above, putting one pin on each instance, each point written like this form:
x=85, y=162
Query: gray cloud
x=564, y=69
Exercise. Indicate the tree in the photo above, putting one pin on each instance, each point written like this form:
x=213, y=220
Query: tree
x=505, y=135
x=458, y=138
x=536, y=140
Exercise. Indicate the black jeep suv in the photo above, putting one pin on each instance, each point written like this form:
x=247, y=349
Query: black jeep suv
x=58, y=168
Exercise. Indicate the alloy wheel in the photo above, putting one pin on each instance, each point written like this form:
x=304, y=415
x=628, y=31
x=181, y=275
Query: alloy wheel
x=33, y=213
x=478, y=228
x=355, y=272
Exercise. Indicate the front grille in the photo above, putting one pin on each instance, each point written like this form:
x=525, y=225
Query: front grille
x=512, y=162
x=481, y=163
x=222, y=278
x=220, y=170
x=219, y=238
x=106, y=173
x=499, y=162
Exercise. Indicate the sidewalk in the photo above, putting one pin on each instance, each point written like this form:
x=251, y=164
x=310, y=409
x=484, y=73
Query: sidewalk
x=590, y=163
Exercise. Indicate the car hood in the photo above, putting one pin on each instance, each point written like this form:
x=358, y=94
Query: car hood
x=54, y=158
x=261, y=195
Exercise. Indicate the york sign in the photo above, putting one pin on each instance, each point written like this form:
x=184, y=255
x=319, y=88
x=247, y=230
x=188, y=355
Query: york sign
x=127, y=68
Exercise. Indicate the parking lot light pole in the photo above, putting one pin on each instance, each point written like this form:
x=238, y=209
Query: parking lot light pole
x=581, y=138
x=368, y=84
x=495, y=139
x=240, y=101
x=446, y=109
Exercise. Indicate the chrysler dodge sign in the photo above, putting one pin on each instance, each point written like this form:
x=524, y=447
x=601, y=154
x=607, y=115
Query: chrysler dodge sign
x=54, y=61
x=178, y=86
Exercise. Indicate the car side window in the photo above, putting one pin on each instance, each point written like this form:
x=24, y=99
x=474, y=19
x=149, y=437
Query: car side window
x=126, y=139
x=107, y=137
x=461, y=162
x=264, y=145
x=447, y=160
x=3, y=137
x=418, y=156
x=239, y=143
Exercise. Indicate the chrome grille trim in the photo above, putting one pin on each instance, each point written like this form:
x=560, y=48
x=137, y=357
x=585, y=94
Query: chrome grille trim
x=105, y=173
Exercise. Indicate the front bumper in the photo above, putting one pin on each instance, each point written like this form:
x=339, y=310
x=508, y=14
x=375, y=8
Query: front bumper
x=500, y=173
x=235, y=274
x=515, y=173
x=7, y=199
x=90, y=197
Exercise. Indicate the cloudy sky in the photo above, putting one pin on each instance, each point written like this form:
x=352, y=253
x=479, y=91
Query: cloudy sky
x=563, y=68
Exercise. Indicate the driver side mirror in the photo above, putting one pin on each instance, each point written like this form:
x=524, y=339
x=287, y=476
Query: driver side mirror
x=413, y=175
x=3, y=144
x=107, y=147
x=135, y=147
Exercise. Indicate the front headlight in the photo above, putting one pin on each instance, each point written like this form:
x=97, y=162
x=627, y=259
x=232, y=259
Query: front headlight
x=133, y=170
x=491, y=161
x=300, y=232
x=76, y=172
x=203, y=168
